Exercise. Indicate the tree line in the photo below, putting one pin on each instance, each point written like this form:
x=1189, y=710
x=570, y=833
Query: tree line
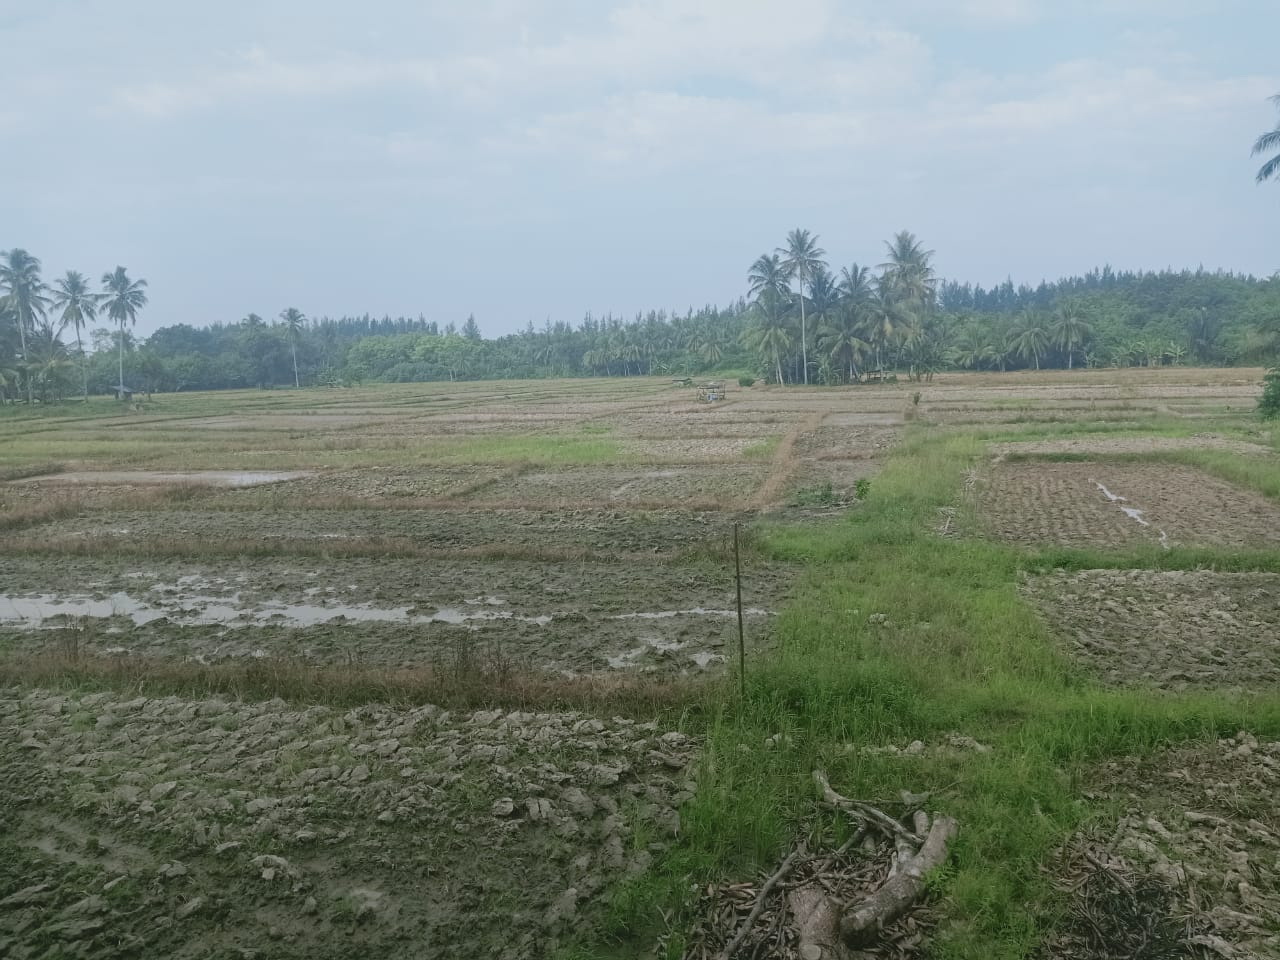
x=859, y=323
x=799, y=321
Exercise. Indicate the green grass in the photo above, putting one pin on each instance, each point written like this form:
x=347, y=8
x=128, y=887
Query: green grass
x=960, y=651
x=763, y=450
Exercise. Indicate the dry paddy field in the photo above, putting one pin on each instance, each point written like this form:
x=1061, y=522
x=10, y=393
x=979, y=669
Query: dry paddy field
x=449, y=669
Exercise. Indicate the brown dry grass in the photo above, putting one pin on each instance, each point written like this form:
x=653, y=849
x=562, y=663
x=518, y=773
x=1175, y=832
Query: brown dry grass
x=394, y=547
x=31, y=470
x=46, y=511
x=467, y=685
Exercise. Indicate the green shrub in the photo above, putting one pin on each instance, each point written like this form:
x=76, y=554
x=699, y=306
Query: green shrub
x=1269, y=402
x=746, y=381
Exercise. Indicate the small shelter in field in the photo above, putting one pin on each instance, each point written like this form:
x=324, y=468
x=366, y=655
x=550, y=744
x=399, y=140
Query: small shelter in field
x=710, y=391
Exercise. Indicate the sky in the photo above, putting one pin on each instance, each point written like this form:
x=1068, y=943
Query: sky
x=522, y=160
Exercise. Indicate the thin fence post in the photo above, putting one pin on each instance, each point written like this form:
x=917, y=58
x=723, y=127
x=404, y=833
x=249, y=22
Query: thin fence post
x=742, y=645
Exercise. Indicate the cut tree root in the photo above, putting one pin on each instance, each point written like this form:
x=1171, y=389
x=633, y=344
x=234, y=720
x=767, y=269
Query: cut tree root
x=828, y=929
x=834, y=906
x=860, y=924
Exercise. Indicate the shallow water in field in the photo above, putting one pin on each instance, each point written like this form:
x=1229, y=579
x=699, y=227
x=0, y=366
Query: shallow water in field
x=33, y=611
x=150, y=478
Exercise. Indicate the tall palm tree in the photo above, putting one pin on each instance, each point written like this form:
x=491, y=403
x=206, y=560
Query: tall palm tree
x=294, y=321
x=20, y=278
x=1267, y=143
x=1070, y=331
x=123, y=298
x=908, y=274
x=768, y=273
x=79, y=308
x=855, y=284
x=768, y=284
x=824, y=295
x=802, y=257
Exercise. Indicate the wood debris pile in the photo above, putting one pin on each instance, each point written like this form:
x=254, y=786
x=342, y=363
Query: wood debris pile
x=858, y=900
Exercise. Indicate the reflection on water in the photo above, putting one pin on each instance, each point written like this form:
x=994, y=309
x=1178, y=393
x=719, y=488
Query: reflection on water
x=32, y=611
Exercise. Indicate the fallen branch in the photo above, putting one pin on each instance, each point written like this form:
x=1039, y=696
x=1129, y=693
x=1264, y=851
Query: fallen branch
x=829, y=929
x=864, y=811
x=758, y=908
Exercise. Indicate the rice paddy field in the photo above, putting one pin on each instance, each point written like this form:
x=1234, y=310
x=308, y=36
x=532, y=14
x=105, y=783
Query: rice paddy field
x=453, y=669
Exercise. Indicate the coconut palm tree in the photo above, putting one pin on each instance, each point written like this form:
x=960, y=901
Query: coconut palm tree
x=855, y=284
x=1070, y=331
x=970, y=348
x=768, y=273
x=48, y=361
x=1269, y=142
x=123, y=298
x=294, y=323
x=769, y=335
x=1029, y=339
x=710, y=344
x=880, y=320
x=908, y=274
x=840, y=340
x=824, y=296
x=802, y=258
x=768, y=284
x=79, y=308
x=25, y=292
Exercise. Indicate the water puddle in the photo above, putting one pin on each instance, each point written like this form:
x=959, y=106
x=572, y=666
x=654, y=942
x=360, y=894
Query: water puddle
x=630, y=658
x=1133, y=513
x=214, y=478
x=32, y=612
x=1111, y=497
x=691, y=612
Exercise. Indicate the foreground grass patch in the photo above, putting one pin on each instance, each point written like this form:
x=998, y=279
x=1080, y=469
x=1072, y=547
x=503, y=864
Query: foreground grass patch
x=897, y=635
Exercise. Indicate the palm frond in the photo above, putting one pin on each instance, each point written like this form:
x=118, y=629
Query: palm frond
x=1267, y=142
x=1269, y=169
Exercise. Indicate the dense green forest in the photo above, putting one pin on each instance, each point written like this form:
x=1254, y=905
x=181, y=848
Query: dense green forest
x=800, y=320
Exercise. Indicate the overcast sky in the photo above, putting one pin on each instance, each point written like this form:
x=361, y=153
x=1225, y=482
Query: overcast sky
x=521, y=159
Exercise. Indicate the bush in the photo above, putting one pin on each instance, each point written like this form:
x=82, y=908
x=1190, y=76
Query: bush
x=1269, y=402
x=746, y=381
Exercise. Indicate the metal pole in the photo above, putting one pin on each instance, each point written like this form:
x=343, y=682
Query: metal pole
x=742, y=646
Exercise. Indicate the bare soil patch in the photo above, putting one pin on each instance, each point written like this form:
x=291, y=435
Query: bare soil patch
x=367, y=483
x=834, y=442
x=170, y=827
x=701, y=449
x=282, y=421
x=1103, y=445
x=452, y=531
x=1197, y=841
x=1175, y=629
x=713, y=487
x=1120, y=504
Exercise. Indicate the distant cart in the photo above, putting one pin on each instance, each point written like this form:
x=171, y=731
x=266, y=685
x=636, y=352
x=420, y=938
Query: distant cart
x=710, y=391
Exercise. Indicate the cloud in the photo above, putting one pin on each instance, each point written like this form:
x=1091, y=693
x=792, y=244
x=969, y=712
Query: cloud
x=257, y=75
